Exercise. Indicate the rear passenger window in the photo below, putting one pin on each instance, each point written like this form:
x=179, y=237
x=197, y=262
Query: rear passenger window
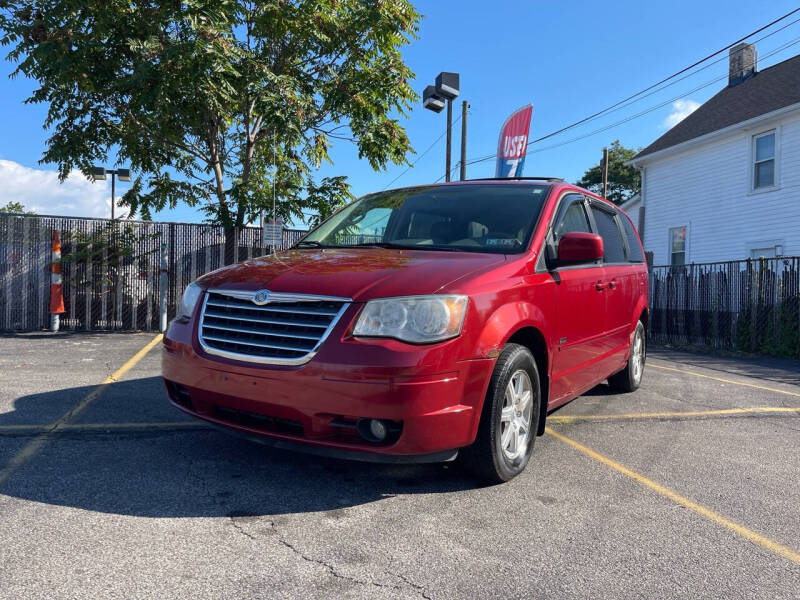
x=634, y=249
x=614, y=251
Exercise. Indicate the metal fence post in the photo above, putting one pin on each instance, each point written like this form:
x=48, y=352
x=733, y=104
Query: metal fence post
x=163, y=285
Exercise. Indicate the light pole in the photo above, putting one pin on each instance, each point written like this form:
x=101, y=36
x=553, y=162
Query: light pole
x=433, y=98
x=99, y=174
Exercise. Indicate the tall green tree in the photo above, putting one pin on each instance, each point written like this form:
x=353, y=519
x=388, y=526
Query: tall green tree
x=16, y=207
x=623, y=181
x=208, y=99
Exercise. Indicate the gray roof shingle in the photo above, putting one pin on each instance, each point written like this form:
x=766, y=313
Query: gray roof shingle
x=766, y=91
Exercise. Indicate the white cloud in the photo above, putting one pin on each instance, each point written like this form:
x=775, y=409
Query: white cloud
x=680, y=110
x=40, y=191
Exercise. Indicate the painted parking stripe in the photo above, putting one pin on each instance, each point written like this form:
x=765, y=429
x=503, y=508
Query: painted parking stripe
x=36, y=444
x=567, y=419
x=742, y=383
x=107, y=426
x=743, y=531
x=557, y=420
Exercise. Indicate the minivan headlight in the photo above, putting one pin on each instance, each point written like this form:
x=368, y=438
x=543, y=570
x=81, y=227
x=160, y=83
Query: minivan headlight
x=415, y=319
x=189, y=300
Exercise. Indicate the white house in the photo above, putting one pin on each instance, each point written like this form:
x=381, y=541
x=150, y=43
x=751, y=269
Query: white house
x=724, y=183
x=631, y=206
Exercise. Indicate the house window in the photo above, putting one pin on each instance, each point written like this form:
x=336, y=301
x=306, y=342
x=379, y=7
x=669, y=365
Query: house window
x=764, y=160
x=677, y=246
x=763, y=252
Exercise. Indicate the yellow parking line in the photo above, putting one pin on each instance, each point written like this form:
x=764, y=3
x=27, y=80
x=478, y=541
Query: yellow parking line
x=750, y=385
x=100, y=426
x=36, y=444
x=567, y=419
x=754, y=537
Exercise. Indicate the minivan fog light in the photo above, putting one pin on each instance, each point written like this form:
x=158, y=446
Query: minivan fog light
x=373, y=430
x=415, y=319
x=377, y=429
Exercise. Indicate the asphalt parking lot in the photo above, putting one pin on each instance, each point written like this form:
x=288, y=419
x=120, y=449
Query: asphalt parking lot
x=687, y=488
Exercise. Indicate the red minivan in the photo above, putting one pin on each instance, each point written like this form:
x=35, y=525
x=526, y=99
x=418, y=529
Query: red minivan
x=419, y=325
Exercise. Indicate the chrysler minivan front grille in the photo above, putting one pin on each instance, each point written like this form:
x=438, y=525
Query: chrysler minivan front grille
x=267, y=327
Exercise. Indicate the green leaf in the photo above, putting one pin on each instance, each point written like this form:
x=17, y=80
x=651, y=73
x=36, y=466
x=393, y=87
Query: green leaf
x=219, y=103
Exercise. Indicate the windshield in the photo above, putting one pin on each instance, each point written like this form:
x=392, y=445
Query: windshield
x=471, y=218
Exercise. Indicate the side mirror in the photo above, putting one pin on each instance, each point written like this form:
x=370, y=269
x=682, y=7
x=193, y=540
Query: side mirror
x=577, y=247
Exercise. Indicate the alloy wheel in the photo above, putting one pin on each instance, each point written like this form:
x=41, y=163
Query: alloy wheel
x=515, y=418
x=637, y=357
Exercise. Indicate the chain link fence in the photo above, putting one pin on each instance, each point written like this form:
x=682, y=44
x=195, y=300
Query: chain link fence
x=110, y=269
x=747, y=306
x=110, y=273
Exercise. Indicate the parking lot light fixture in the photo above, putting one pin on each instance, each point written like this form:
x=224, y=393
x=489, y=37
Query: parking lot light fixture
x=431, y=100
x=99, y=174
x=434, y=98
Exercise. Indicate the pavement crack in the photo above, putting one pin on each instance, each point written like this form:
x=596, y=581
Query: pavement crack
x=329, y=568
x=241, y=529
x=419, y=588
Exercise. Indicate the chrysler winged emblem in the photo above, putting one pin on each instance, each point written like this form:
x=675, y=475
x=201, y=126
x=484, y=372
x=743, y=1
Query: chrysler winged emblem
x=261, y=297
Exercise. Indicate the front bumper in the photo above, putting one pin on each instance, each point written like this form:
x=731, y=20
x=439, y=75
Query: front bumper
x=435, y=401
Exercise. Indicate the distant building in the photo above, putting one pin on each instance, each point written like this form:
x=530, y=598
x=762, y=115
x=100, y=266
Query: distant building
x=724, y=183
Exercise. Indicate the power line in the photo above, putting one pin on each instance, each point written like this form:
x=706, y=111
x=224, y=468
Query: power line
x=708, y=66
x=647, y=89
x=656, y=107
x=428, y=149
x=452, y=171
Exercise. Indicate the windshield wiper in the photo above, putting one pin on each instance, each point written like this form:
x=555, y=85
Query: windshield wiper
x=376, y=245
x=309, y=244
x=404, y=246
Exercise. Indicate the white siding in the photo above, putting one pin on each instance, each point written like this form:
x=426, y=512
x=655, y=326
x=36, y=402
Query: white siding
x=708, y=189
x=632, y=208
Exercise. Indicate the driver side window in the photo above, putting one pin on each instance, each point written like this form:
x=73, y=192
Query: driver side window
x=573, y=219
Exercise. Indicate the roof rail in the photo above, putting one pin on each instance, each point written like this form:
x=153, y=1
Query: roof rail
x=554, y=179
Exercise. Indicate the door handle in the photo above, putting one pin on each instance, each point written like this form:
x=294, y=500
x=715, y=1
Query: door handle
x=612, y=284
x=599, y=286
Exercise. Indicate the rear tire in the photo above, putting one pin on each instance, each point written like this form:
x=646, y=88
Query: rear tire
x=630, y=378
x=509, y=418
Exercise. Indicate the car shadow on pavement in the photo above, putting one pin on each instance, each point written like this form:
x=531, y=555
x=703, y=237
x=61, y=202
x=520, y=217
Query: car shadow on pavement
x=187, y=471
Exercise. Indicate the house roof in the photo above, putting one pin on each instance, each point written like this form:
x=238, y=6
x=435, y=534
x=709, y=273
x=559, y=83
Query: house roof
x=635, y=199
x=771, y=89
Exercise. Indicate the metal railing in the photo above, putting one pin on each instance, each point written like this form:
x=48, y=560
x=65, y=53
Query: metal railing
x=747, y=306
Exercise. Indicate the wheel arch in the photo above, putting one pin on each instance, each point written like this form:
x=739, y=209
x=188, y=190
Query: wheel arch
x=522, y=323
x=533, y=339
x=644, y=317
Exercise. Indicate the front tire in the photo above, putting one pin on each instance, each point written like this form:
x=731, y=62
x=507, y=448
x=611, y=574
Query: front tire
x=630, y=378
x=509, y=418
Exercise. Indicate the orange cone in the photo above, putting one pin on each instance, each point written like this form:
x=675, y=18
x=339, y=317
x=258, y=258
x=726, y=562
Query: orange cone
x=56, y=295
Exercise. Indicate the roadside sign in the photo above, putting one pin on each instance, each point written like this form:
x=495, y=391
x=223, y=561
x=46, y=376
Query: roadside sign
x=273, y=233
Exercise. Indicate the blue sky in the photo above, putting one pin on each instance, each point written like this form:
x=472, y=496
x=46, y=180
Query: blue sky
x=570, y=59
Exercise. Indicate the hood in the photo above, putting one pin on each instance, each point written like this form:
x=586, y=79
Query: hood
x=357, y=273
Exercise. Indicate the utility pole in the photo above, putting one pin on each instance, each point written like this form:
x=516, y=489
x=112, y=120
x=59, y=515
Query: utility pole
x=605, y=171
x=464, y=107
x=449, y=138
